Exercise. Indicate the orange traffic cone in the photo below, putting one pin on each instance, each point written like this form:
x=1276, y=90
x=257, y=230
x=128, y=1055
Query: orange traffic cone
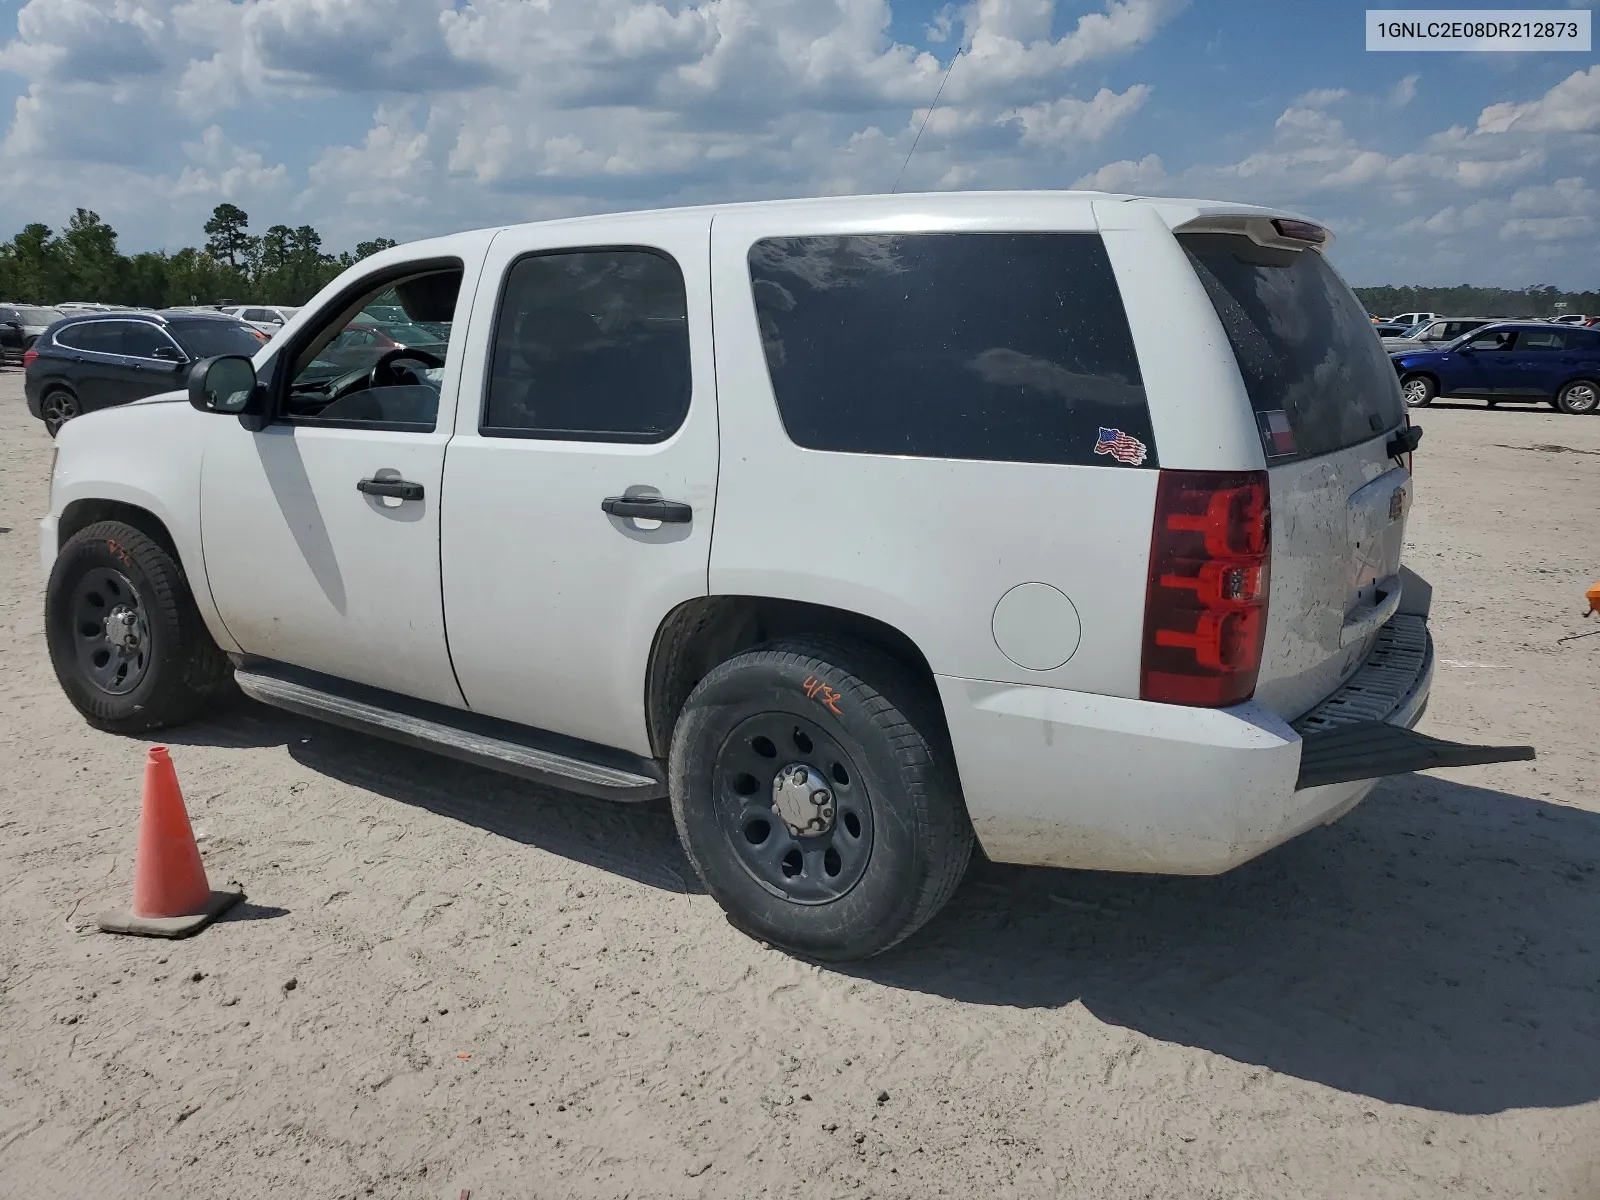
x=171, y=896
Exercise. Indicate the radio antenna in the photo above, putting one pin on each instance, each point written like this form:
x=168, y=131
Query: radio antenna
x=925, y=119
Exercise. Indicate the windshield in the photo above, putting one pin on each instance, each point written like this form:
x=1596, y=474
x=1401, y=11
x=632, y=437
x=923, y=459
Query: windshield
x=204, y=339
x=1304, y=346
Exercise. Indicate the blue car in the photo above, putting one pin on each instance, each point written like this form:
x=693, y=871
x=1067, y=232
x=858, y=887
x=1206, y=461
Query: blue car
x=1510, y=361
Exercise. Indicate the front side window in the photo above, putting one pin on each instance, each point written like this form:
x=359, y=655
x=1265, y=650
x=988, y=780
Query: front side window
x=141, y=339
x=590, y=345
x=1499, y=339
x=346, y=372
x=1302, y=343
x=995, y=347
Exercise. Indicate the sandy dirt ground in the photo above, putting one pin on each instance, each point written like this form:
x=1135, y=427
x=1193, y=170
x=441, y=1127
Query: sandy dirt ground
x=1404, y=1004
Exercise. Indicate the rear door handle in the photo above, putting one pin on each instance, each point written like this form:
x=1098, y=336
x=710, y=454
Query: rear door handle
x=648, y=508
x=400, y=489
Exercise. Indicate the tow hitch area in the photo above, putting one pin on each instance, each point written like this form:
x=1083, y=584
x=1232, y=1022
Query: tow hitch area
x=1373, y=749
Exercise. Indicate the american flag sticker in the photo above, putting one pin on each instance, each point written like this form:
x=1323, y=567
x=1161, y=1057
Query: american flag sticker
x=1121, y=446
x=1277, y=438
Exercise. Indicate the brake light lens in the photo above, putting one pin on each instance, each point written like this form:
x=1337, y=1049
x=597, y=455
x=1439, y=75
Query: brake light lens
x=1205, y=612
x=29, y=357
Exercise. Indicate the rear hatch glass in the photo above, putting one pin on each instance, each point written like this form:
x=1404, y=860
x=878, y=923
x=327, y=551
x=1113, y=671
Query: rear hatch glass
x=1325, y=397
x=1317, y=376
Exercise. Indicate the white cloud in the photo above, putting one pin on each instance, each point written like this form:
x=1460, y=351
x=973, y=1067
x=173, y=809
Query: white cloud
x=1126, y=176
x=1065, y=121
x=1320, y=97
x=1404, y=92
x=1572, y=106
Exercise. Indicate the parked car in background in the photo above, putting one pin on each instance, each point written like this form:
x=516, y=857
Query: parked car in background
x=1431, y=335
x=1572, y=319
x=11, y=340
x=1510, y=361
x=80, y=306
x=269, y=319
x=34, y=319
x=98, y=360
x=1412, y=318
x=1386, y=329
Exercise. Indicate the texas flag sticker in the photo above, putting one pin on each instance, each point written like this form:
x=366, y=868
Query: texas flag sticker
x=1277, y=438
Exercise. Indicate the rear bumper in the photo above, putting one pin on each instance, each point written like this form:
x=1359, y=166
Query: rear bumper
x=1064, y=779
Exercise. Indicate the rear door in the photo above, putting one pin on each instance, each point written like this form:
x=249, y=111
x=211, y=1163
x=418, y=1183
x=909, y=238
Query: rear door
x=1326, y=400
x=1538, y=361
x=92, y=367
x=590, y=384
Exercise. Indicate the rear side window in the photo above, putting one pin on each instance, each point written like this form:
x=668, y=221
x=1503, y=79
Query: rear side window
x=1305, y=348
x=590, y=345
x=1585, y=340
x=1001, y=347
x=98, y=336
x=1541, y=339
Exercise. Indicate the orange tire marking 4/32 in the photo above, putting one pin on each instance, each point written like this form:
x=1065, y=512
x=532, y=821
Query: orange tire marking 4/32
x=822, y=693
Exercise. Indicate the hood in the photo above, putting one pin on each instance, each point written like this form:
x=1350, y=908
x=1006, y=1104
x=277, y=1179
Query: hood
x=160, y=398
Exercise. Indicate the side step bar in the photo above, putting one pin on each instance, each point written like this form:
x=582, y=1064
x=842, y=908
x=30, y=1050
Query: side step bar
x=1373, y=749
x=546, y=758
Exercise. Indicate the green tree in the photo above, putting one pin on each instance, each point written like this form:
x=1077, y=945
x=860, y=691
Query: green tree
x=93, y=265
x=375, y=246
x=226, y=231
x=33, y=266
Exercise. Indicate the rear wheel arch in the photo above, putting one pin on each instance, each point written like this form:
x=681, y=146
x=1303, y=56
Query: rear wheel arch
x=700, y=634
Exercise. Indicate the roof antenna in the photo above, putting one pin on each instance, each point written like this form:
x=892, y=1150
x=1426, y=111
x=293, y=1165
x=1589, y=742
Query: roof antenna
x=925, y=119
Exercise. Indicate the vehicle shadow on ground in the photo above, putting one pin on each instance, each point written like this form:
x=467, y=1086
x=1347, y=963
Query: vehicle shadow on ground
x=1439, y=947
x=636, y=841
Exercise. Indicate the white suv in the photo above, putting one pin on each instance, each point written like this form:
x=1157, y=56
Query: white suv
x=860, y=527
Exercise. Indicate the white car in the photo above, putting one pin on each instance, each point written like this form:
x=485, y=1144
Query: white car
x=862, y=527
x=1412, y=318
x=269, y=319
x=1571, y=319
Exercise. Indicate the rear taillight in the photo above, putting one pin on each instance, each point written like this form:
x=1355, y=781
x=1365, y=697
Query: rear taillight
x=29, y=357
x=1205, y=609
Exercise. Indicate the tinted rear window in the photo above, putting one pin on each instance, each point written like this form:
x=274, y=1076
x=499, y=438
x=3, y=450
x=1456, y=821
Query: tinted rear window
x=203, y=339
x=1305, y=346
x=1008, y=347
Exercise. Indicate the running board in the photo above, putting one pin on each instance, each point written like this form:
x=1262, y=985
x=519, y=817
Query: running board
x=534, y=755
x=1373, y=749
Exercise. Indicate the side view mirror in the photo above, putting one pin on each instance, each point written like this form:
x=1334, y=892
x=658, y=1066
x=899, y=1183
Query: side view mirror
x=225, y=384
x=169, y=353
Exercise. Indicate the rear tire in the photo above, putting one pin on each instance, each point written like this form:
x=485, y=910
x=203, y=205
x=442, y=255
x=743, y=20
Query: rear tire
x=1579, y=398
x=57, y=407
x=1418, y=390
x=128, y=645
x=891, y=839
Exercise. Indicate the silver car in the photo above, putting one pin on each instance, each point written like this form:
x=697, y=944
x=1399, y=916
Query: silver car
x=268, y=318
x=1431, y=335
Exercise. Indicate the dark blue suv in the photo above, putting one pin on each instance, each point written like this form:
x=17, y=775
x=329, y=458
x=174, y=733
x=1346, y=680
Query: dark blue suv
x=1511, y=361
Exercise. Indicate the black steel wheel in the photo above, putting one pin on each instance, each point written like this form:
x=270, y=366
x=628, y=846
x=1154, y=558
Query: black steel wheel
x=815, y=794
x=57, y=407
x=109, y=631
x=127, y=643
x=794, y=807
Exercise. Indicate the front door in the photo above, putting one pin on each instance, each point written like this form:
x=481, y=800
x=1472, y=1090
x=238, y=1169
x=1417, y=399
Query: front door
x=1488, y=367
x=589, y=398
x=315, y=552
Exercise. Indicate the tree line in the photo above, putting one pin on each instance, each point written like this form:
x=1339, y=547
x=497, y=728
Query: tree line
x=1462, y=301
x=284, y=265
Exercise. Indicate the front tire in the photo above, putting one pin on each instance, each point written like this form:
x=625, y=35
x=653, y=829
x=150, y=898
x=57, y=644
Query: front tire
x=1418, y=390
x=1579, y=398
x=127, y=643
x=815, y=795
x=57, y=407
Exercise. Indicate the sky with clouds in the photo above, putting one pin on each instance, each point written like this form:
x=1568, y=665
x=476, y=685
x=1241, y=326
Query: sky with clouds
x=405, y=118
